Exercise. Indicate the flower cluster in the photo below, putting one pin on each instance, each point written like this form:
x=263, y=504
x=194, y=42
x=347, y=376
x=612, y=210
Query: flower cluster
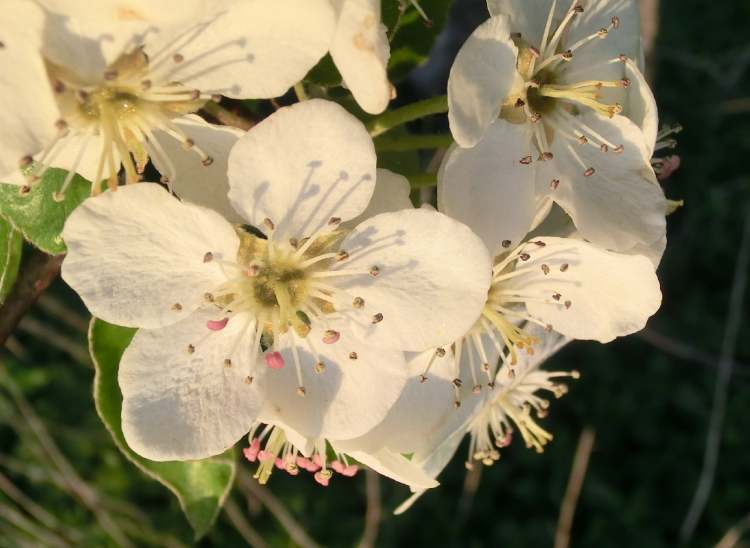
x=284, y=288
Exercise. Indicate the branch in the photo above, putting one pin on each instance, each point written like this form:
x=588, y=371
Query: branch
x=374, y=510
x=227, y=117
x=246, y=531
x=573, y=490
x=718, y=410
x=35, y=276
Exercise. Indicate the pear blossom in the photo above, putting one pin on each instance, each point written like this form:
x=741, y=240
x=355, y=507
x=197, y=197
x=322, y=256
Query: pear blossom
x=240, y=320
x=360, y=49
x=108, y=84
x=547, y=92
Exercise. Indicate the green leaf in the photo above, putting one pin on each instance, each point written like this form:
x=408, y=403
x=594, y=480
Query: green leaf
x=11, y=246
x=37, y=215
x=202, y=486
x=411, y=36
x=324, y=73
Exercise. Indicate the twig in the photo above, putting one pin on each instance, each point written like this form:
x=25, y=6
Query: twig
x=54, y=338
x=227, y=117
x=35, y=276
x=682, y=350
x=374, y=510
x=248, y=533
x=277, y=508
x=22, y=523
x=573, y=490
x=74, y=482
x=471, y=484
x=32, y=508
x=733, y=536
x=729, y=343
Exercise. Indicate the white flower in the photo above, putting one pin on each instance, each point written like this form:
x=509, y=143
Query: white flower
x=360, y=50
x=541, y=91
x=222, y=306
x=113, y=80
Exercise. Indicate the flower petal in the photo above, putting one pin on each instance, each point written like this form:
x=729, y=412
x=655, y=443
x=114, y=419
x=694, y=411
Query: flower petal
x=489, y=188
x=391, y=194
x=480, y=79
x=180, y=404
x=612, y=197
x=250, y=49
x=137, y=256
x=29, y=110
x=603, y=294
x=640, y=106
x=301, y=166
x=390, y=464
x=360, y=50
x=347, y=399
x=193, y=181
x=432, y=282
x=528, y=16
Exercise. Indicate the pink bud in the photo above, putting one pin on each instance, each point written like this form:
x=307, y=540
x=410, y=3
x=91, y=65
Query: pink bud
x=274, y=360
x=279, y=464
x=331, y=336
x=217, y=325
x=266, y=456
x=251, y=453
x=338, y=466
x=322, y=478
x=350, y=471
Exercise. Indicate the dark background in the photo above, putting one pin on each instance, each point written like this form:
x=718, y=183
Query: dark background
x=648, y=397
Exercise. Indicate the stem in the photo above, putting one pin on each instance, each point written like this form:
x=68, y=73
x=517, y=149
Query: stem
x=227, y=117
x=38, y=272
x=299, y=91
x=408, y=113
x=389, y=143
x=422, y=180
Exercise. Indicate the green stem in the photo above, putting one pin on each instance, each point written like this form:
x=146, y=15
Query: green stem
x=387, y=143
x=422, y=180
x=408, y=113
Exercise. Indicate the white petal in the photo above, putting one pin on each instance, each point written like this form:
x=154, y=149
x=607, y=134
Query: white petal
x=82, y=153
x=618, y=206
x=488, y=188
x=390, y=464
x=347, y=399
x=432, y=282
x=249, y=49
x=641, y=107
x=391, y=194
x=610, y=294
x=301, y=166
x=179, y=405
x=528, y=16
x=29, y=110
x=203, y=185
x=136, y=253
x=597, y=14
x=360, y=50
x=480, y=79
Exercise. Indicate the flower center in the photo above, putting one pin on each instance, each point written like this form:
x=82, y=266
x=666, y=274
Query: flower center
x=122, y=110
x=514, y=408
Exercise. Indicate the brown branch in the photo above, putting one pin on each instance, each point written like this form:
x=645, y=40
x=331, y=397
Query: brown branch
x=573, y=490
x=374, y=512
x=35, y=276
x=243, y=527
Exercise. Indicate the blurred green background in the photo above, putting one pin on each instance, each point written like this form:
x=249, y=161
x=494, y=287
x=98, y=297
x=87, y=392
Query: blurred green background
x=648, y=397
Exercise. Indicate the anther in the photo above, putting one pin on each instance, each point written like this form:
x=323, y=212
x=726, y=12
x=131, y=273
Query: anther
x=146, y=85
x=294, y=242
x=342, y=255
x=353, y=355
x=248, y=380
x=440, y=352
x=578, y=8
x=604, y=148
x=177, y=307
x=535, y=117
x=524, y=256
x=58, y=86
x=618, y=149
x=589, y=172
x=623, y=58
x=625, y=82
x=567, y=55
x=209, y=297
x=423, y=378
x=554, y=184
x=268, y=223
x=358, y=302
x=545, y=269
x=548, y=328
x=520, y=103
x=334, y=221
x=301, y=391
x=25, y=162
x=207, y=161
x=24, y=190
x=61, y=125
x=187, y=144
x=583, y=139
x=575, y=374
x=227, y=363
x=564, y=267
x=190, y=349
x=208, y=257
x=195, y=95
x=506, y=243
x=110, y=75
x=556, y=296
x=568, y=304
x=457, y=382
x=374, y=271
x=82, y=96
x=178, y=58
x=330, y=336
x=477, y=389
x=456, y=404
x=546, y=156
x=320, y=367
x=526, y=160
x=602, y=33
x=377, y=318
x=615, y=22
x=274, y=360
x=252, y=270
